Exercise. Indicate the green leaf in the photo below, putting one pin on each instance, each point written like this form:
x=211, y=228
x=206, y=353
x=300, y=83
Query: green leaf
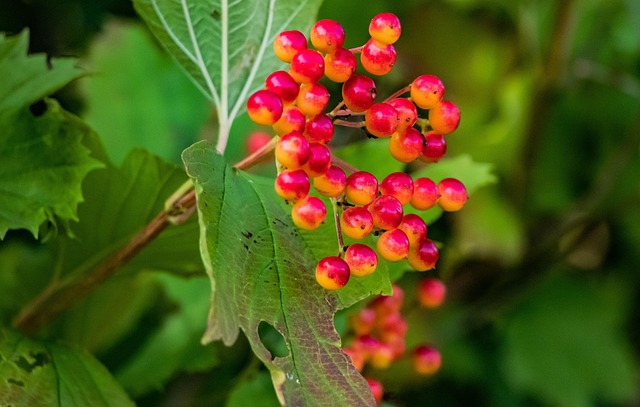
x=43, y=164
x=28, y=78
x=226, y=47
x=42, y=374
x=372, y=156
x=261, y=270
x=257, y=392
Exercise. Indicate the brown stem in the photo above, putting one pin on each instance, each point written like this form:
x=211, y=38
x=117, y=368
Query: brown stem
x=398, y=93
x=257, y=156
x=343, y=164
x=336, y=110
x=356, y=49
x=346, y=123
x=336, y=218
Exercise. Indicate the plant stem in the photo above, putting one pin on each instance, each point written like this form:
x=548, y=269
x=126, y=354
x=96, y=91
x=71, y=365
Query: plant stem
x=257, y=156
x=343, y=164
x=336, y=218
x=336, y=109
x=398, y=93
x=346, y=123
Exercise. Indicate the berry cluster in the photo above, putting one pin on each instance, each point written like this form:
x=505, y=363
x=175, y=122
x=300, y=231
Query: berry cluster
x=294, y=102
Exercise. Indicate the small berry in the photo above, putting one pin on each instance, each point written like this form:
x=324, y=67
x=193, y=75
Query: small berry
x=292, y=119
x=367, y=344
x=414, y=227
x=356, y=222
x=397, y=343
x=407, y=112
x=386, y=211
x=381, y=120
x=256, y=141
x=309, y=213
x=364, y=320
x=407, y=145
x=319, y=129
x=398, y=184
x=444, y=117
x=283, y=85
x=385, y=27
x=362, y=188
x=392, y=325
x=425, y=194
x=393, y=245
x=327, y=36
x=387, y=305
x=319, y=160
x=312, y=99
x=426, y=359
x=453, y=194
x=292, y=185
x=356, y=356
x=287, y=44
x=264, y=107
x=382, y=356
x=378, y=58
x=340, y=65
x=427, y=91
x=292, y=150
x=359, y=93
x=424, y=256
x=434, y=148
x=376, y=389
x=332, y=273
x=307, y=66
x=431, y=292
x=331, y=183
x=362, y=259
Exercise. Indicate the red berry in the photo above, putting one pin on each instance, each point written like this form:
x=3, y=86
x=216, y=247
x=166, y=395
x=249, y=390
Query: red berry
x=340, y=65
x=424, y=256
x=356, y=222
x=364, y=320
x=362, y=259
x=312, y=99
x=392, y=325
x=425, y=194
x=378, y=58
x=414, y=227
x=426, y=359
x=292, y=185
x=327, y=36
x=256, y=141
x=434, y=148
x=427, y=91
x=398, y=184
x=376, y=389
x=307, y=66
x=319, y=160
x=385, y=27
x=288, y=43
x=292, y=150
x=292, y=119
x=332, y=273
x=393, y=245
x=309, y=213
x=444, y=117
x=356, y=356
x=407, y=145
x=387, y=305
x=453, y=194
x=331, y=183
x=264, y=107
x=407, y=112
x=283, y=85
x=386, y=211
x=367, y=344
x=359, y=93
x=382, y=356
x=431, y=292
x=362, y=188
x=319, y=129
x=381, y=120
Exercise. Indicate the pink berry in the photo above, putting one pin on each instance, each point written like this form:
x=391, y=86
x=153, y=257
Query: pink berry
x=406, y=145
x=331, y=183
x=312, y=99
x=398, y=184
x=453, y=194
x=425, y=194
x=431, y=292
x=264, y=107
x=359, y=93
x=386, y=211
x=362, y=259
x=362, y=188
x=444, y=117
x=292, y=185
x=364, y=320
x=385, y=27
x=424, y=256
x=414, y=227
x=256, y=141
x=332, y=273
x=356, y=222
x=307, y=66
x=292, y=150
x=426, y=359
x=407, y=112
x=378, y=58
x=309, y=213
x=340, y=65
x=319, y=160
x=319, y=129
x=283, y=85
x=393, y=245
x=327, y=36
x=292, y=119
x=287, y=44
x=434, y=148
x=427, y=91
x=376, y=389
x=381, y=120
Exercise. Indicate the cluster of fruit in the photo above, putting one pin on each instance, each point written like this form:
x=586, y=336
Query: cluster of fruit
x=293, y=102
x=379, y=330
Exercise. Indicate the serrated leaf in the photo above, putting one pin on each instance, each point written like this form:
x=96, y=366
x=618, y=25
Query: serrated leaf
x=43, y=164
x=260, y=270
x=28, y=78
x=225, y=46
x=43, y=374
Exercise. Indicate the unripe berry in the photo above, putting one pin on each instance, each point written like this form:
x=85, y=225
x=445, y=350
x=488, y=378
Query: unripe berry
x=362, y=188
x=453, y=194
x=256, y=141
x=426, y=359
x=332, y=273
x=292, y=185
x=381, y=120
x=362, y=259
x=312, y=99
x=264, y=107
x=283, y=85
x=427, y=91
x=292, y=119
x=407, y=145
x=319, y=129
x=340, y=65
x=319, y=160
x=407, y=112
x=424, y=256
x=431, y=292
x=434, y=148
x=331, y=183
x=309, y=213
x=444, y=117
x=376, y=389
x=307, y=66
x=425, y=194
x=359, y=93
x=378, y=58
x=386, y=211
x=356, y=222
x=287, y=44
x=393, y=245
x=398, y=184
x=292, y=150
x=414, y=227
x=385, y=27
x=364, y=320
x=327, y=36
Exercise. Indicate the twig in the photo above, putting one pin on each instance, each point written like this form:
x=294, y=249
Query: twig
x=343, y=164
x=336, y=218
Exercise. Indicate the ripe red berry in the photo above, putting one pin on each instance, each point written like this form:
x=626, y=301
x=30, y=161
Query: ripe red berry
x=359, y=93
x=292, y=185
x=264, y=107
x=309, y=213
x=331, y=183
x=356, y=222
x=327, y=36
x=386, y=211
x=427, y=91
x=407, y=112
x=393, y=245
x=453, y=194
x=414, y=227
x=431, y=292
x=312, y=99
x=367, y=344
x=256, y=141
x=381, y=120
x=385, y=27
x=307, y=66
x=332, y=273
x=426, y=359
x=288, y=43
x=398, y=184
x=434, y=148
x=319, y=129
x=376, y=389
x=378, y=58
x=407, y=145
x=292, y=150
x=425, y=194
x=362, y=188
x=340, y=65
x=283, y=85
x=424, y=256
x=362, y=259
x=444, y=117
x=292, y=119
x=319, y=160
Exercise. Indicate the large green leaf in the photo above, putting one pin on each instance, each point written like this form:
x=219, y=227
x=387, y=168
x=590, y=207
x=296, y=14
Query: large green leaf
x=261, y=270
x=43, y=375
x=43, y=164
x=225, y=46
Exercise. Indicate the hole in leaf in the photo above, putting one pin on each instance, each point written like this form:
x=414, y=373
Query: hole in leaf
x=272, y=340
x=41, y=359
x=18, y=383
x=38, y=108
x=216, y=15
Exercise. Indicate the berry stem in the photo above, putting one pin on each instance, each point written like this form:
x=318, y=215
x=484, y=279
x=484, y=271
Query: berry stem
x=336, y=218
x=257, y=156
x=336, y=110
x=356, y=50
x=398, y=93
x=346, y=123
x=343, y=164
